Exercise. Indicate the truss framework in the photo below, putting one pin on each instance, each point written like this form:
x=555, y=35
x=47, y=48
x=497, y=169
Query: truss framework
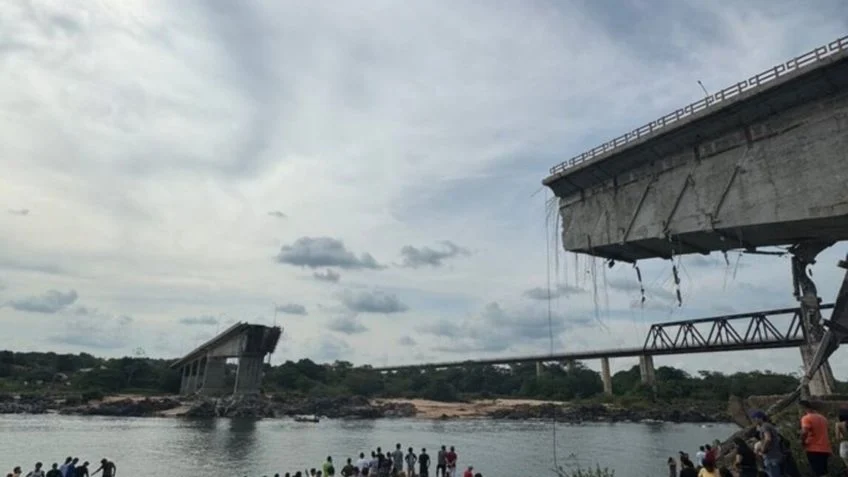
x=727, y=333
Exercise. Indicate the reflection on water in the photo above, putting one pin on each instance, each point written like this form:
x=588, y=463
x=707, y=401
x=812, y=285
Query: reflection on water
x=255, y=448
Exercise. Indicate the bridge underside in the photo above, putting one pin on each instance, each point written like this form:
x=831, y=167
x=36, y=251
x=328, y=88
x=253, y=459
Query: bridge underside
x=764, y=170
x=204, y=370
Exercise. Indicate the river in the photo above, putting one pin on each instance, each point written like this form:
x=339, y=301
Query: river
x=168, y=446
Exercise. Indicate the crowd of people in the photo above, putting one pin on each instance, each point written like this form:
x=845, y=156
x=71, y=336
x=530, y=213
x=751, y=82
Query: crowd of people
x=770, y=455
x=71, y=468
x=391, y=464
x=379, y=464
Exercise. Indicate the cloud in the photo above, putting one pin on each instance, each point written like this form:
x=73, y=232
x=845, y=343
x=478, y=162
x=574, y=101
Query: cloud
x=414, y=257
x=319, y=252
x=51, y=301
x=372, y=302
x=204, y=320
x=539, y=293
x=277, y=214
x=495, y=329
x=407, y=341
x=187, y=232
x=327, y=276
x=348, y=325
x=96, y=330
x=292, y=309
x=20, y=212
x=630, y=286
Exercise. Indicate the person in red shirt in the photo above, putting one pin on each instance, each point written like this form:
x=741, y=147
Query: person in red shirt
x=468, y=472
x=814, y=436
x=450, y=460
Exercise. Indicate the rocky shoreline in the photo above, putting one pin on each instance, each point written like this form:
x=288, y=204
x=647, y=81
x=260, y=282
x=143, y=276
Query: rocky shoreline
x=356, y=407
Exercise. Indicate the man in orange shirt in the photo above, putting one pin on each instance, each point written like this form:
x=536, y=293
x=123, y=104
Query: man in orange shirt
x=815, y=439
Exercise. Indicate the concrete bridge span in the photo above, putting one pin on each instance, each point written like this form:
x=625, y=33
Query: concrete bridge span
x=761, y=163
x=204, y=368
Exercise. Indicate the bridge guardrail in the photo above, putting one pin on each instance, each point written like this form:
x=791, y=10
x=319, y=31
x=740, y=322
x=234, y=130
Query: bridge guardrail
x=800, y=62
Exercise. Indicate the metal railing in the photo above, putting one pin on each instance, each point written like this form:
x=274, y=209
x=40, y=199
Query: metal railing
x=800, y=62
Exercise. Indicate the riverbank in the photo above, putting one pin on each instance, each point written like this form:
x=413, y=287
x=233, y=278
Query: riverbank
x=357, y=407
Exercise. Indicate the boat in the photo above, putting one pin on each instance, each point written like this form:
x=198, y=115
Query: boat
x=306, y=419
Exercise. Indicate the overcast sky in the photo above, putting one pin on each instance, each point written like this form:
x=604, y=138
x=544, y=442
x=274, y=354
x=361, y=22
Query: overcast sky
x=371, y=169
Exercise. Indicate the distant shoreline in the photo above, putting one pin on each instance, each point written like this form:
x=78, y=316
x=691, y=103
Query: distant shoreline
x=357, y=407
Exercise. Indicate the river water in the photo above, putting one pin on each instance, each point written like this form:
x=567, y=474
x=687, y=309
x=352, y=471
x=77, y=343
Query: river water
x=211, y=448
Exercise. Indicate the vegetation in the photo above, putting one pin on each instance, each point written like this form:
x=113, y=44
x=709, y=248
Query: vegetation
x=89, y=376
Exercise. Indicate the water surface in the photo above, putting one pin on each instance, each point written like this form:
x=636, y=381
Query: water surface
x=167, y=446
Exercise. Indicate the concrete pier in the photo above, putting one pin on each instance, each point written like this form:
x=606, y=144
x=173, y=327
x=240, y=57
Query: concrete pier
x=646, y=370
x=606, y=376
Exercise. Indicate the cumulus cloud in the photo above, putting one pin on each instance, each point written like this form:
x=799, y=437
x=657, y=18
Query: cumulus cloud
x=320, y=252
x=348, y=324
x=414, y=257
x=205, y=320
x=495, y=329
x=50, y=301
x=277, y=214
x=20, y=212
x=373, y=302
x=327, y=276
x=539, y=293
x=292, y=309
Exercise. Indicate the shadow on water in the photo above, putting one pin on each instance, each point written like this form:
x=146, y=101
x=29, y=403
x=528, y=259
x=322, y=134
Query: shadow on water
x=241, y=439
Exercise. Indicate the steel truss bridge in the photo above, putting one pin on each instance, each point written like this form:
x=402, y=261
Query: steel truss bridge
x=743, y=331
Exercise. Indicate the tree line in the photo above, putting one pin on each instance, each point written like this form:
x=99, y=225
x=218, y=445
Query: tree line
x=83, y=373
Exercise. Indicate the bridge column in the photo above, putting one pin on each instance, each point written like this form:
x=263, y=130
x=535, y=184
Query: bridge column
x=248, y=375
x=539, y=369
x=803, y=255
x=606, y=377
x=215, y=376
x=571, y=366
x=646, y=370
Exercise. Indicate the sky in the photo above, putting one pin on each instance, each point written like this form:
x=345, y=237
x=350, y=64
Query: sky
x=365, y=174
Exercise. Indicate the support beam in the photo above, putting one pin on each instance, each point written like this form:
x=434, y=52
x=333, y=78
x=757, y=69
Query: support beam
x=539, y=368
x=646, y=370
x=606, y=376
x=803, y=255
x=571, y=366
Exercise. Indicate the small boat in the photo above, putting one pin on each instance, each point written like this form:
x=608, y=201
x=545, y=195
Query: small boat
x=306, y=419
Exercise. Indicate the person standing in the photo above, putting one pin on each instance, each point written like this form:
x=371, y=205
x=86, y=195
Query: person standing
x=699, y=456
x=107, y=467
x=814, y=438
x=64, y=467
x=842, y=434
x=450, y=461
x=423, y=463
x=770, y=449
x=349, y=470
x=397, y=459
x=411, y=459
x=54, y=471
x=37, y=471
x=440, y=462
x=328, y=468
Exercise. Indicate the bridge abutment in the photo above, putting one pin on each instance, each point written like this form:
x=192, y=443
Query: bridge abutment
x=606, y=376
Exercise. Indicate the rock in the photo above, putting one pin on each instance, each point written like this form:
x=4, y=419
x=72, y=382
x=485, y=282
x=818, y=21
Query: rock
x=125, y=408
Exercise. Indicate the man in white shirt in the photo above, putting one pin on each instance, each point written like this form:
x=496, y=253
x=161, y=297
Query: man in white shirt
x=362, y=463
x=699, y=456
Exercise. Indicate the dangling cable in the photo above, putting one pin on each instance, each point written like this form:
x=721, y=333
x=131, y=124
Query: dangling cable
x=551, y=332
